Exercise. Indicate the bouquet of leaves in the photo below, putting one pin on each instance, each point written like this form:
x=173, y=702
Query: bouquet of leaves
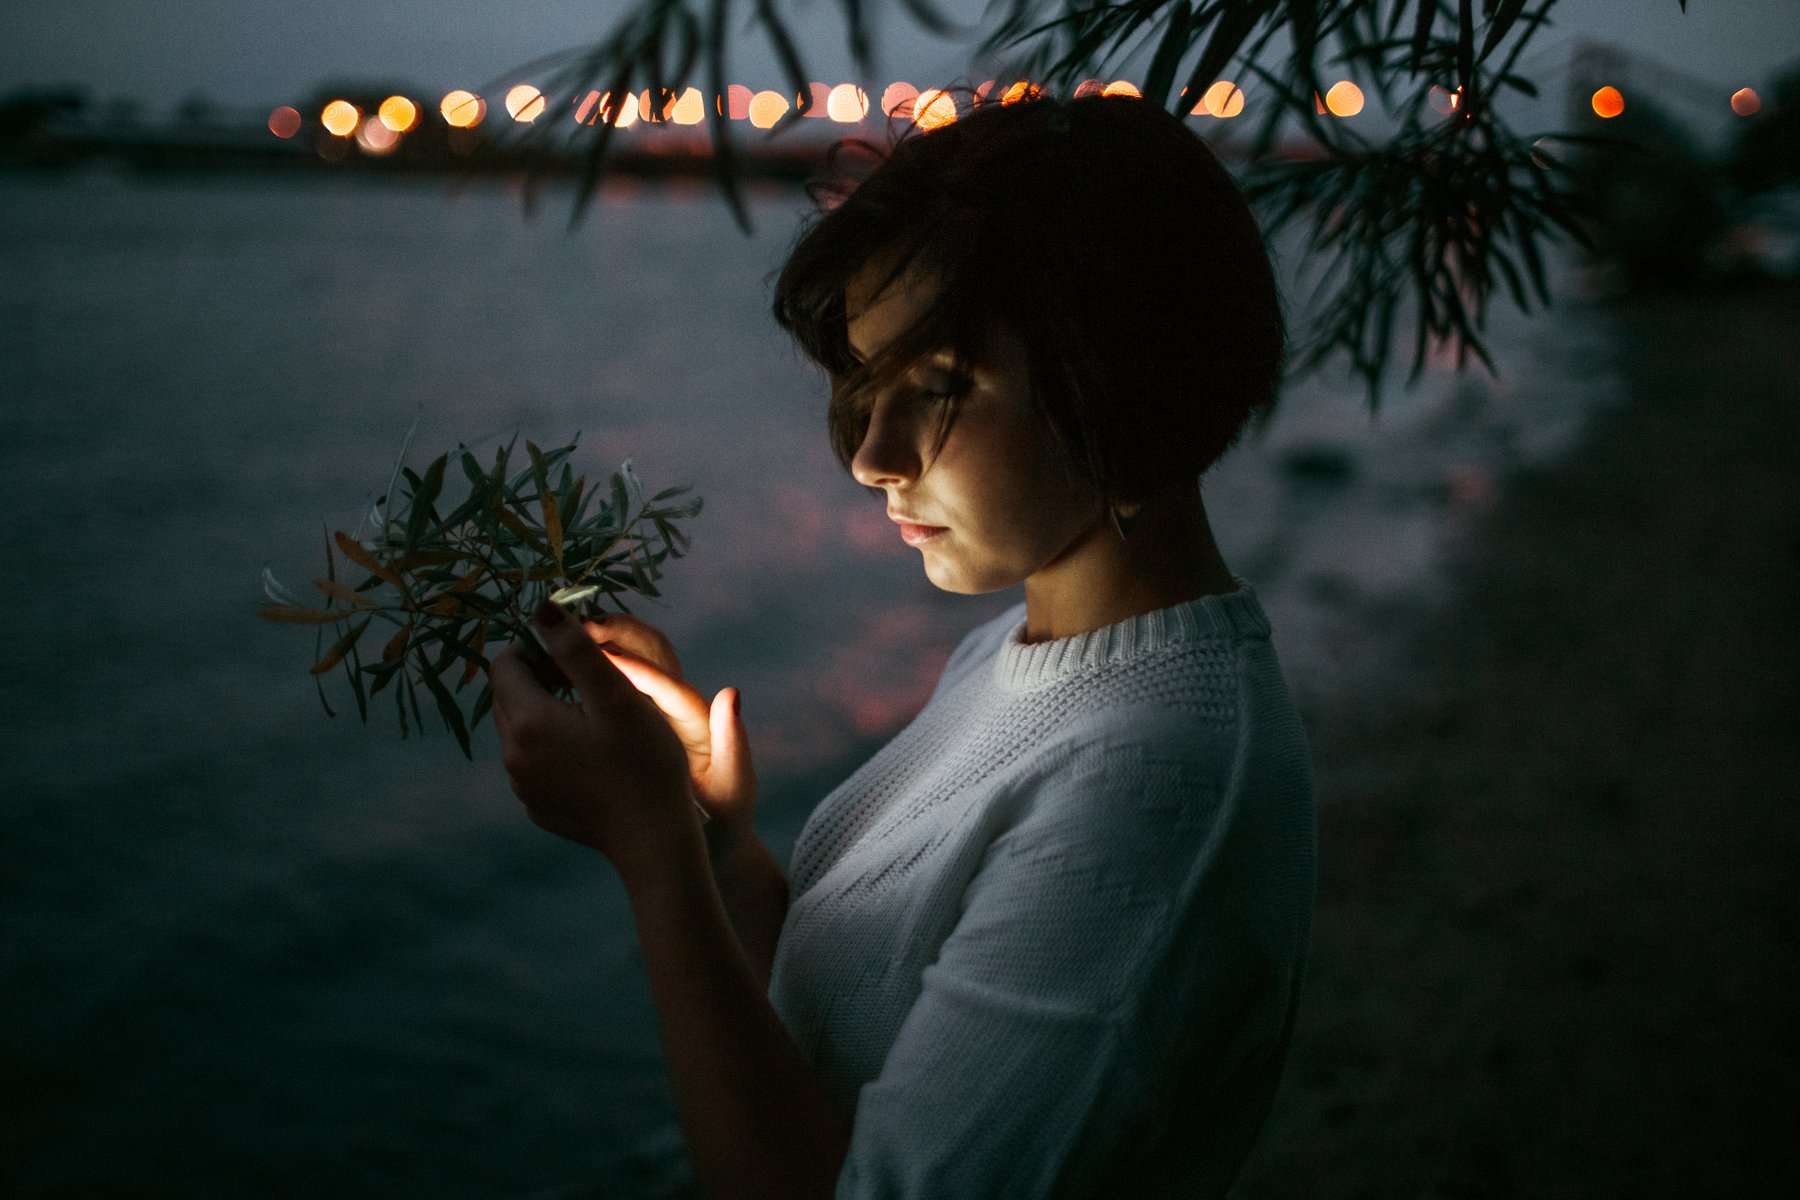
x=442, y=582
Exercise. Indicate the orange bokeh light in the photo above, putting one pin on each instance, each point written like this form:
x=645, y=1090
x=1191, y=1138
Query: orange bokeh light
x=524, y=103
x=340, y=118
x=934, y=108
x=462, y=110
x=1344, y=99
x=1023, y=90
x=766, y=108
x=690, y=109
x=398, y=113
x=623, y=115
x=1122, y=87
x=1223, y=99
x=847, y=104
x=1745, y=102
x=1608, y=103
x=284, y=122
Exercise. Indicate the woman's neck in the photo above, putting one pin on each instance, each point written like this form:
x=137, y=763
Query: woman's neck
x=1168, y=558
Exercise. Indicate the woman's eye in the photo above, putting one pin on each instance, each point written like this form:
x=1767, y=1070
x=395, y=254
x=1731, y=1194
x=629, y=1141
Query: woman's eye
x=942, y=388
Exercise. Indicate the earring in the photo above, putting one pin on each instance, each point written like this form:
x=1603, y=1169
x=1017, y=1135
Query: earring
x=1123, y=515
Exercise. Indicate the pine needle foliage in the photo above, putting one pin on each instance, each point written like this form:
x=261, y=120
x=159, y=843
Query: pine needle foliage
x=445, y=582
x=1418, y=226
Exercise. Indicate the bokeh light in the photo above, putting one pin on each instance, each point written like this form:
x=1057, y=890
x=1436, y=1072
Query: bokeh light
x=766, y=108
x=1090, y=87
x=1608, y=103
x=1745, y=102
x=1021, y=91
x=376, y=137
x=284, y=122
x=934, y=109
x=1121, y=87
x=820, y=100
x=1444, y=101
x=847, y=104
x=462, y=110
x=897, y=100
x=524, y=103
x=690, y=109
x=398, y=113
x=627, y=114
x=1344, y=99
x=1223, y=99
x=737, y=102
x=340, y=118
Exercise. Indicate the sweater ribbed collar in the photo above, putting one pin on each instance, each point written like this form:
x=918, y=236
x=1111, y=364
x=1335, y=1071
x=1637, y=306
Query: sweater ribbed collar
x=1021, y=667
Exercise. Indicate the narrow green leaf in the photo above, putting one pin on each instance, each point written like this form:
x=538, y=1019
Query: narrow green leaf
x=1422, y=22
x=319, y=686
x=483, y=702
x=1169, y=52
x=452, y=715
x=1465, y=46
x=1505, y=13
x=420, y=511
x=353, y=668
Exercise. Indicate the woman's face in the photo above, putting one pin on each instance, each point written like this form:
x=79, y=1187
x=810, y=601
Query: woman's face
x=997, y=504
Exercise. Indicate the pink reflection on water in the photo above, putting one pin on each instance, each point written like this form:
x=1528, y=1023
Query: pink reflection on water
x=882, y=677
x=870, y=687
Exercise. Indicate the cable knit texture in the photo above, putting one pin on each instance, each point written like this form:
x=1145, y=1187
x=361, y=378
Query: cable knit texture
x=1048, y=941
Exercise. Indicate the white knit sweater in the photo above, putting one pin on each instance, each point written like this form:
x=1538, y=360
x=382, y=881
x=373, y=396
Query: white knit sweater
x=1049, y=940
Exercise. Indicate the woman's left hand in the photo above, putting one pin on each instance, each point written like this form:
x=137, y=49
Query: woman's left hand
x=605, y=770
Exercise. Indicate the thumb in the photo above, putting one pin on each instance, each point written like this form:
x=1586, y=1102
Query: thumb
x=731, y=776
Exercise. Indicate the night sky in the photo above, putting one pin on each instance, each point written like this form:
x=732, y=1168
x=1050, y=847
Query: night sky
x=269, y=53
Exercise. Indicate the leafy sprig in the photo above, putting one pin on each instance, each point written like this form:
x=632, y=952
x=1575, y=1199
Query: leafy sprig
x=447, y=582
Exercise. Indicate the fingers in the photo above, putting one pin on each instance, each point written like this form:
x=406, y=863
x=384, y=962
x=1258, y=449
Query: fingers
x=682, y=706
x=625, y=632
x=574, y=652
x=731, y=766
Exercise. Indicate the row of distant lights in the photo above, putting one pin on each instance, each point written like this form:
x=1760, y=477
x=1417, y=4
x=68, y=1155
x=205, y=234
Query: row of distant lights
x=1609, y=102
x=846, y=104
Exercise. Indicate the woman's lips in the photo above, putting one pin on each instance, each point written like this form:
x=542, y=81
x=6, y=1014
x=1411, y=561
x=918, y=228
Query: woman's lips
x=917, y=535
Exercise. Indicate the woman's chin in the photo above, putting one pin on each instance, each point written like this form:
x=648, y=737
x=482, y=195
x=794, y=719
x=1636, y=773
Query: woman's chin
x=948, y=577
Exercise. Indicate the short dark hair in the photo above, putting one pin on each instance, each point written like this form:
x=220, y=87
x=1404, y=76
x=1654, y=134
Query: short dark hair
x=1100, y=230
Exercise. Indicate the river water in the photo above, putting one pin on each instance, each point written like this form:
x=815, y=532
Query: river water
x=249, y=948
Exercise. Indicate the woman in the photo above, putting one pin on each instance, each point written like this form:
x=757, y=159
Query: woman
x=1048, y=941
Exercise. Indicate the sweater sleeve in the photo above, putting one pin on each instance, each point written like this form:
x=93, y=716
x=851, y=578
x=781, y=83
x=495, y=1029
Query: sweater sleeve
x=1107, y=966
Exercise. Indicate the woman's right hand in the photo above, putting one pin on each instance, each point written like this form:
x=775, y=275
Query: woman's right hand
x=717, y=745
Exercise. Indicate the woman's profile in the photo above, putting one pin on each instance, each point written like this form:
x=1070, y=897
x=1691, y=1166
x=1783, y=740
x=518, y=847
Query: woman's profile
x=1048, y=941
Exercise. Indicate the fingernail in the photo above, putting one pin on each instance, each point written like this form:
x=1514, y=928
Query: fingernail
x=548, y=613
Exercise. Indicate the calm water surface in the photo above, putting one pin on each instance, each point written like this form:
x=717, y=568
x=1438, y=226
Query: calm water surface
x=248, y=947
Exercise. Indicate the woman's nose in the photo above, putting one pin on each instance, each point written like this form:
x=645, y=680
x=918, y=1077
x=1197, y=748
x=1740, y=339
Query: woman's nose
x=889, y=454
